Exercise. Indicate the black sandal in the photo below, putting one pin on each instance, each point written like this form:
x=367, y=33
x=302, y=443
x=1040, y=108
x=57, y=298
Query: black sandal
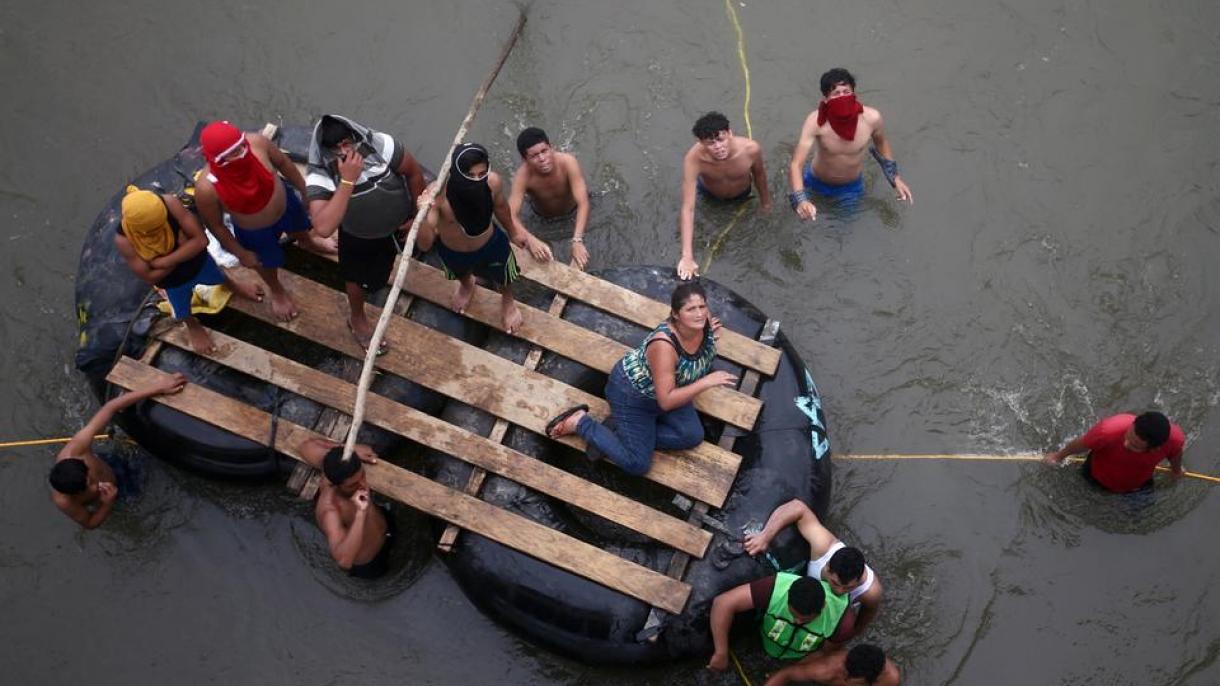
x=561, y=417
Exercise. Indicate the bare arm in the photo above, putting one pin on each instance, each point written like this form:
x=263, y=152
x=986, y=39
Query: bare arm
x=792, y=512
x=870, y=605
x=687, y=267
x=82, y=441
x=724, y=607
x=326, y=215
x=759, y=172
x=819, y=668
x=191, y=239
x=427, y=226
x=313, y=451
x=516, y=232
x=344, y=543
x=580, y=193
x=107, y=494
x=1073, y=447
x=149, y=274
x=796, y=168
x=882, y=143
x=410, y=170
x=663, y=362
x=208, y=205
x=279, y=160
x=516, y=196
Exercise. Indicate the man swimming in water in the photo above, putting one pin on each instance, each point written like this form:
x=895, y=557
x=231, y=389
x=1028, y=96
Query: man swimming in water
x=720, y=166
x=553, y=184
x=84, y=487
x=241, y=180
x=468, y=242
x=841, y=567
x=359, y=533
x=863, y=665
x=843, y=130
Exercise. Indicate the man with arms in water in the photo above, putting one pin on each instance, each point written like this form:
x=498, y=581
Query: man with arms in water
x=719, y=166
x=842, y=129
x=553, y=184
x=468, y=242
x=83, y=486
x=840, y=566
x=1124, y=450
x=241, y=180
x=863, y=665
x=359, y=533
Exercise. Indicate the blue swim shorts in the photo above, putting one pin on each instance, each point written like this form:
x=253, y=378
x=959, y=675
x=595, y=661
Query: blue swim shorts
x=847, y=193
x=265, y=242
x=494, y=261
x=180, y=296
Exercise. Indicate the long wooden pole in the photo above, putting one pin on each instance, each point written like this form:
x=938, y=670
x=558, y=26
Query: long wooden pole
x=387, y=311
x=979, y=457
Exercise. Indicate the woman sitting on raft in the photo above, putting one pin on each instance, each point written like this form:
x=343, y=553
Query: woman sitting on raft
x=652, y=389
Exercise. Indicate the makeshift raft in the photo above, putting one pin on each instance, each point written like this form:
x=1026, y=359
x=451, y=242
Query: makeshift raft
x=634, y=581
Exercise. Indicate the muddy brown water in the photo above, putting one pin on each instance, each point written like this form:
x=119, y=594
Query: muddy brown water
x=1058, y=264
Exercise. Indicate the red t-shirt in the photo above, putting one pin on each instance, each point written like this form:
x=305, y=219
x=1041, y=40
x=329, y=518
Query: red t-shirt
x=1122, y=470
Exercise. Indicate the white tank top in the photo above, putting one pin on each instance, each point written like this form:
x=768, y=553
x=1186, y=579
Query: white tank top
x=816, y=566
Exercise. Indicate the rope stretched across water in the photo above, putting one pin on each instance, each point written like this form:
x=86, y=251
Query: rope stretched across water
x=984, y=457
x=370, y=355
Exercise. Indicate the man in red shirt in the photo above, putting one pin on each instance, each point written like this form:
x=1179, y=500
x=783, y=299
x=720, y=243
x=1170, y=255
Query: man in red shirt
x=1124, y=450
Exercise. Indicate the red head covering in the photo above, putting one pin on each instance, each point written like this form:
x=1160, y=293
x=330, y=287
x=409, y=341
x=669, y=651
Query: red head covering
x=843, y=113
x=244, y=185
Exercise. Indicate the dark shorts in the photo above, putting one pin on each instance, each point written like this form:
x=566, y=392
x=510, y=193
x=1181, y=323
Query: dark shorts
x=379, y=565
x=179, y=297
x=265, y=242
x=494, y=261
x=847, y=193
x=707, y=195
x=367, y=261
x=128, y=474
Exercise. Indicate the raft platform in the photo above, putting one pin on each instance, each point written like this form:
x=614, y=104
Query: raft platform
x=515, y=394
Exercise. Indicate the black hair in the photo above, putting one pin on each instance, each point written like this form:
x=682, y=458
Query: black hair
x=865, y=662
x=847, y=563
x=70, y=476
x=332, y=132
x=709, y=125
x=683, y=293
x=806, y=596
x=1152, y=428
x=529, y=138
x=836, y=76
x=336, y=469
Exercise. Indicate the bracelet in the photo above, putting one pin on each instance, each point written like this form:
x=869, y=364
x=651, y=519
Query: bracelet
x=578, y=239
x=888, y=167
x=795, y=198
x=345, y=182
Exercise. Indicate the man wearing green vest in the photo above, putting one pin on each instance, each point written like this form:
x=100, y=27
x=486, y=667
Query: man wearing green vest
x=798, y=614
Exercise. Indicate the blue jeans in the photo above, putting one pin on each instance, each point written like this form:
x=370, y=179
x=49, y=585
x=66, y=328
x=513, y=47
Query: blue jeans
x=639, y=427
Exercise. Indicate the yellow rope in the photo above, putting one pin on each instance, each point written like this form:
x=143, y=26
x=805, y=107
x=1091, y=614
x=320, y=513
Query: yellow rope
x=740, y=671
x=1016, y=457
x=714, y=249
x=45, y=441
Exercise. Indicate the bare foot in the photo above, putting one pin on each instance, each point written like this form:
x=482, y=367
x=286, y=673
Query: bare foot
x=568, y=426
x=282, y=305
x=363, y=332
x=510, y=316
x=201, y=342
x=244, y=289
x=319, y=245
x=463, y=294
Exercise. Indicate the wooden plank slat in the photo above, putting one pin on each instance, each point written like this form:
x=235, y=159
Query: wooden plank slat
x=441, y=435
x=413, y=490
x=489, y=382
x=572, y=341
x=634, y=307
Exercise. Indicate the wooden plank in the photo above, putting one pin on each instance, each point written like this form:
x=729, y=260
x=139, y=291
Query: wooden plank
x=548, y=330
x=413, y=490
x=489, y=382
x=637, y=308
x=477, y=475
x=439, y=434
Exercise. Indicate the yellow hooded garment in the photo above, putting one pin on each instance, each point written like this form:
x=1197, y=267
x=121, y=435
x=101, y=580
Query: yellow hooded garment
x=146, y=224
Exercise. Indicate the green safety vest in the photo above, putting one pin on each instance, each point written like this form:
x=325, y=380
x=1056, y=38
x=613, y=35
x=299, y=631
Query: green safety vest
x=782, y=637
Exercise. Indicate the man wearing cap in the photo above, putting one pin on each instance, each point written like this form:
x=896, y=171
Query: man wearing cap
x=165, y=246
x=241, y=180
x=1125, y=449
x=359, y=533
x=468, y=242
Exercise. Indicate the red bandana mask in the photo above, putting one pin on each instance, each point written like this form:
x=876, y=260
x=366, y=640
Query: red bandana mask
x=843, y=113
x=244, y=185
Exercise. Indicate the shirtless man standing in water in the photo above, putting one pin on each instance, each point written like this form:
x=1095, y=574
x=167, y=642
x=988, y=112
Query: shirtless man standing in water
x=358, y=533
x=843, y=130
x=722, y=167
x=553, y=184
x=468, y=242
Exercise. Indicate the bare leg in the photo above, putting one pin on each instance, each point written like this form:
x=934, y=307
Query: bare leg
x=243, y=289
x=281, y=303
x=463, y=293
x=510, y=315
x=201, y=342
x=361, y=327
x=308, y=240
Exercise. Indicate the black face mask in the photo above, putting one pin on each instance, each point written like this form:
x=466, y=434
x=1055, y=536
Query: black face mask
x=469, y=199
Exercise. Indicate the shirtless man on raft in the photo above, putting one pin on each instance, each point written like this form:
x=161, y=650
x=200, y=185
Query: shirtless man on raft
x=840, y=566
x=358, y=532
x=719, y=166
x=553, y=184
x=843, y=130
x=83, y=486
x=241, y=180
x=468, y=242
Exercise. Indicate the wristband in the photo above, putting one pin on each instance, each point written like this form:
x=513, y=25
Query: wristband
x=345, y=182
x=888, y=167
x=578, y=239
x=795, y=198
